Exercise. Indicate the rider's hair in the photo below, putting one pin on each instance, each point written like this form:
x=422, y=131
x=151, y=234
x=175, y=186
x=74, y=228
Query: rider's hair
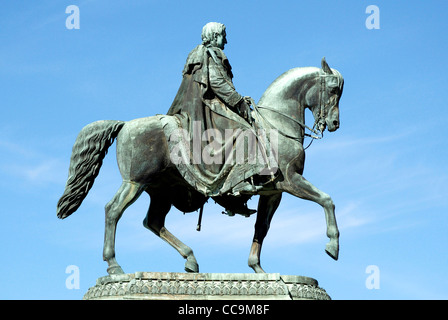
x=210, y=29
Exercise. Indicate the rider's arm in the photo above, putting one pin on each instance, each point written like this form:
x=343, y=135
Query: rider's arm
x=222, y=86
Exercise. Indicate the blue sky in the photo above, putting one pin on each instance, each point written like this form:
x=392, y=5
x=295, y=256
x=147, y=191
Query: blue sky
x=385, y=168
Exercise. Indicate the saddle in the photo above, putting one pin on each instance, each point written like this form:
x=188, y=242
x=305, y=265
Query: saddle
x=246, y=168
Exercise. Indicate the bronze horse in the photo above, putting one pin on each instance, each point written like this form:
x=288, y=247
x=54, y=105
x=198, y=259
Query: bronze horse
x=145, y=165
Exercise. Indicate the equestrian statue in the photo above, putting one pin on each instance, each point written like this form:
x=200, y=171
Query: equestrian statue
x=212, y=144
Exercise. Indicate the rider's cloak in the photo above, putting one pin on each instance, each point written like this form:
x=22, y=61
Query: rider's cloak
x=204, y=107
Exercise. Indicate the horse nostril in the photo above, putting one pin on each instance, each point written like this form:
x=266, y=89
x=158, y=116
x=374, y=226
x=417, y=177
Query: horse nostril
x=336, y=123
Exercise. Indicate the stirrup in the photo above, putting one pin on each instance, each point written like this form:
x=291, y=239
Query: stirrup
x=246, y=214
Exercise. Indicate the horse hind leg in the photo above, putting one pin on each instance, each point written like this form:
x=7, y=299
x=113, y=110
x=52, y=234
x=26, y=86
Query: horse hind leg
x=155, y=221
x=267, y=205
x=125, y=196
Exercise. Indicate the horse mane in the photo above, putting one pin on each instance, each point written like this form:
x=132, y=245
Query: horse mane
x=286, y=78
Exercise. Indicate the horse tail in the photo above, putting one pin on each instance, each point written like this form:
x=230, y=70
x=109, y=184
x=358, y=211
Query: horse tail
x=88, y=153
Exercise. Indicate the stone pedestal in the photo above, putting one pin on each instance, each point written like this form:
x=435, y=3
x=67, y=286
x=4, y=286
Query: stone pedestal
x=205, y=286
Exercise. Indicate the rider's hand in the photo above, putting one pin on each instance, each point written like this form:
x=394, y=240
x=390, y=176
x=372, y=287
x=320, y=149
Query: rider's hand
x=244, y=110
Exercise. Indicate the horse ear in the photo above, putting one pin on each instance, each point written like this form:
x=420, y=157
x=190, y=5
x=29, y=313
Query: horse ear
x=325, y=66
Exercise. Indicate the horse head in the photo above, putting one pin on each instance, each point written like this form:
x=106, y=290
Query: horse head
x=323, y=97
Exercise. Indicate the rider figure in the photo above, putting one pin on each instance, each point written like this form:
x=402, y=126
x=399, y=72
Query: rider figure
x=208, y=96
x=209, y=57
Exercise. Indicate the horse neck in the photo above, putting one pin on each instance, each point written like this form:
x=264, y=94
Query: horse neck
x=287, y=94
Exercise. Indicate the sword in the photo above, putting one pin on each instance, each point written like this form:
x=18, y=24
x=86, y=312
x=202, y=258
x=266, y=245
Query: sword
x=198, y=227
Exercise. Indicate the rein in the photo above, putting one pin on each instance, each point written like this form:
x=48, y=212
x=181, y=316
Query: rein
x=304, y=126
x=318, y=133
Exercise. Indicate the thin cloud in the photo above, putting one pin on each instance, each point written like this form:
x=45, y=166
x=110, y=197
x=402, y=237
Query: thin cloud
x=293, y=227
x=350, y=142
x=30, y=166
x=11, y=147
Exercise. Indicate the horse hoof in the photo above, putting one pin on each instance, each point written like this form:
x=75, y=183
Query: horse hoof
x=257, y=268
x=332, y=250
x=115, y=270
x=191, y=266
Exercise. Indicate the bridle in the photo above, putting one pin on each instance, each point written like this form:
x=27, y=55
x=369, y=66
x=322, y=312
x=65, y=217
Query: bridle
x=320, y=121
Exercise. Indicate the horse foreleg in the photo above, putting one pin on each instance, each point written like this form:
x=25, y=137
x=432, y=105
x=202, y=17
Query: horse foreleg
x=298, y=186
x=125, y=196
x=155, y=222
x=267, y=205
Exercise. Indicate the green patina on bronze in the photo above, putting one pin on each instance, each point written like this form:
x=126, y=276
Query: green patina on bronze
x=207, y=96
